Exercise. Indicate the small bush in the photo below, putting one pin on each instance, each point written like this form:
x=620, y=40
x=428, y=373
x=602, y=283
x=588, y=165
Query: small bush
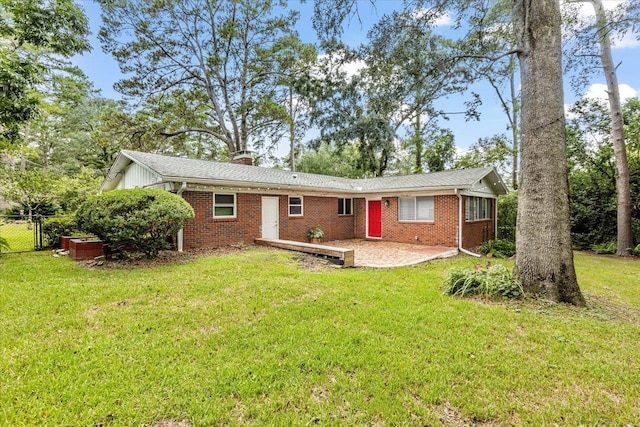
x=143, y=220
x=494, y=281
x=605, y=248
x=4, y=244
x=54, y=228
x=507, y=214
x=498, y=248
x=636, y=250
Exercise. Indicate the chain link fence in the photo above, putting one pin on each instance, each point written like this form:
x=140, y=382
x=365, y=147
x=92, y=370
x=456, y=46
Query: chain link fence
x=20, y=234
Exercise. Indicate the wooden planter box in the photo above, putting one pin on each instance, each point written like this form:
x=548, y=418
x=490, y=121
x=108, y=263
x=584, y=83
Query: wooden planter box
x=64, y=241
x=85, y=249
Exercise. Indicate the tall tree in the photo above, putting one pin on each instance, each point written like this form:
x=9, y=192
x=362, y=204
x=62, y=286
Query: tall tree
x=37, y=36
x=440, y=152
x=223, y=52
x=492, y=151
x=32, y=189
x=345, y=108
x=590, y=43
x=297, y=60
x=491, y=46
x=410, y=67
x=544, y=259
x=625, y=233
x=592, y=178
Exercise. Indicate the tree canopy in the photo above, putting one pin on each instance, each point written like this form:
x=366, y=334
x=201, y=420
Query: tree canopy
x=225, y=60
x=37, y=37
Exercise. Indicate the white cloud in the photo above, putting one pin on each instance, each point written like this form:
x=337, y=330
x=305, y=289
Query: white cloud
x=628, y=41
x=586, y=8
x=353, y=68
x=442, y=20
x=586, y=14
x=598, y=91
x=568, y=114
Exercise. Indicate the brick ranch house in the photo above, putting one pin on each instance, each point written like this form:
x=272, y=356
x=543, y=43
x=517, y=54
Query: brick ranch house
x=237, y=202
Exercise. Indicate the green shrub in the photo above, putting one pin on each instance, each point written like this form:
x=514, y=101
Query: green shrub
x=507, y=214
x=54, y=228
x=4, y=244
x=636, y=250
x=498, y=248
x=139, y=219
x=605, y=248
x=494, y=281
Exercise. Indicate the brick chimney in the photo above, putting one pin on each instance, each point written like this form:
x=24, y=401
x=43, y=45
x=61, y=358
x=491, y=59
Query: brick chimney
x=243, y=157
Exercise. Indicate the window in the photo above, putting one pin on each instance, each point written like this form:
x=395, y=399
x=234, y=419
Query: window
x=295, y=206
x=477, y=208
x=416, y=208
x=224, y=205
x=344, y=206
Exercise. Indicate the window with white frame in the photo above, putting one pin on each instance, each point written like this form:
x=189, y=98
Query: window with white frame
x=415, y=208
x=224, y=205
x=345, y=206
x=478, y=208
x=295, y=206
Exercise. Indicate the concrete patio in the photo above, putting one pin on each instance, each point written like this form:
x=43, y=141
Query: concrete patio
x=383, y=254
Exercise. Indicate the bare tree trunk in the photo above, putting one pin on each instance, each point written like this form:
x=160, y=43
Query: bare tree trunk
x=515, y=130
x=625, y=233
x=544, y=260
x=292, y=131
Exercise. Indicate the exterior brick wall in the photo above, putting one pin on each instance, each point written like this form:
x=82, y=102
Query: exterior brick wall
x=321, y=211
x=478, y=231
x=205, y=231
x=443, y=231
x=360, y=212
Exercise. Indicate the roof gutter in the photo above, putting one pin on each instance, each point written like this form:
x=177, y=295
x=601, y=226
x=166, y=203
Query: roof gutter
x=180, y=237
x=460, y=223
x=293, y=186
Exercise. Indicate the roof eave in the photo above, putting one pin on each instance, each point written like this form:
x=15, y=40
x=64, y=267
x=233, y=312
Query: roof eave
x=110, y=181
x=274, y=186
x=253, y=184
x=497, y=182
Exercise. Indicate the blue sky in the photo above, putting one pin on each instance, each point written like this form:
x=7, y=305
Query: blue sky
x=104, y=71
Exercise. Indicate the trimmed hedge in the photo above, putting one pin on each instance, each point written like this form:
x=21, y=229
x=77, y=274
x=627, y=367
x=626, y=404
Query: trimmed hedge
x=54, y=228
x=139, y=219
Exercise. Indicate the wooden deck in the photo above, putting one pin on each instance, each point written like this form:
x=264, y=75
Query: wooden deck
x=346, y=256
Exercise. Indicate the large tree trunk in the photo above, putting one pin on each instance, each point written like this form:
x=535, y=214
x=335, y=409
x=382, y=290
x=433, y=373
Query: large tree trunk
x=544, y=260
x=625, y=232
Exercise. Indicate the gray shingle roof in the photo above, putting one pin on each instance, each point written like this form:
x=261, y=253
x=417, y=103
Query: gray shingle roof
x=204, y=171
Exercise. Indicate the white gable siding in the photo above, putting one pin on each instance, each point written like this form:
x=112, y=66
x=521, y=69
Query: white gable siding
x=137, y=176
x=482, y=188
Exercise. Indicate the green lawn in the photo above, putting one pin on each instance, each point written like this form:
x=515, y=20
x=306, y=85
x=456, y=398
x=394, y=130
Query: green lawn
x=253, y=338
x=18, y=235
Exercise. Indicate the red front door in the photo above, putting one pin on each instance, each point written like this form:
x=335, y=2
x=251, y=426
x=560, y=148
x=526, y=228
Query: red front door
x=375, y=218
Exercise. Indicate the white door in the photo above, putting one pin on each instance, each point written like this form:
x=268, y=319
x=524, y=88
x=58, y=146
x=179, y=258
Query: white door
x=270, y=214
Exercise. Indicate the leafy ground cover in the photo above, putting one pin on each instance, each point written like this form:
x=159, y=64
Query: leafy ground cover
x=19, y=236
x=257, y=338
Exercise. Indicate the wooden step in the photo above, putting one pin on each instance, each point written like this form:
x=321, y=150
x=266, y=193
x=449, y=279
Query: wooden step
x=346, y=256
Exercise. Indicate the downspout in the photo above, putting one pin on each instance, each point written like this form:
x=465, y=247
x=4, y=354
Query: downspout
x=460, y=222
x=495, y=219
x=180, y=232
